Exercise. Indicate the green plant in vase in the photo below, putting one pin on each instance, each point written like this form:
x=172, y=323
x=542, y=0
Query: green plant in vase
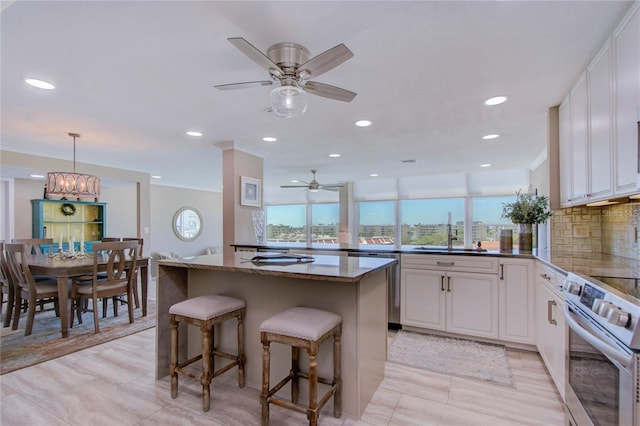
x=527, y=210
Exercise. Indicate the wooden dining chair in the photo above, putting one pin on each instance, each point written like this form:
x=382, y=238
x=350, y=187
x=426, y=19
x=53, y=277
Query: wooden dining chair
x=120, y=269
x=6, y=288
x=26, y=287
x=140, y=241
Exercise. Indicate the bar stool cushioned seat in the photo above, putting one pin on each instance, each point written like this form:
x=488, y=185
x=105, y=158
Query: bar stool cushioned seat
x=205, y=312
x=306, y=328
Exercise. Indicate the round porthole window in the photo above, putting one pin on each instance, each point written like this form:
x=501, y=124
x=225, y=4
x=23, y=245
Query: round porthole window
x=187, y=223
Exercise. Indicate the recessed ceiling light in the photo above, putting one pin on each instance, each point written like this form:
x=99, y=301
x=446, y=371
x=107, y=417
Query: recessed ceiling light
x=334, y=155
x=373, y=175
x=363, y=123
x=496, y=100
x=295, y=181
x=40, y=84
x=156, y=176
x=269, y=139
x=491, y=136
x=485, y=165
x=37, y=176
x=192, y=133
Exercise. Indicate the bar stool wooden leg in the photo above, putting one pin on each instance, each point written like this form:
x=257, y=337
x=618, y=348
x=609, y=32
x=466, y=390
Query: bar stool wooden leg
x=337, y=373
x=264, y=395
x=241, y=357
x=295, y=373
x=312, y=412
x=174, y=357
x=207, y=336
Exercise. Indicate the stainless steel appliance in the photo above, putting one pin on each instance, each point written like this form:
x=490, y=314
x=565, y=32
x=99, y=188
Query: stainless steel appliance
x=393, y=298
x=603, y=354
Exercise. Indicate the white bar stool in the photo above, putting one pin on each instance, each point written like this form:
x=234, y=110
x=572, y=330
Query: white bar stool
x=205, y=312
x=302, y=328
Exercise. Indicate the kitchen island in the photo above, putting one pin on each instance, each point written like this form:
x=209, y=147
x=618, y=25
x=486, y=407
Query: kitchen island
x=355, y=288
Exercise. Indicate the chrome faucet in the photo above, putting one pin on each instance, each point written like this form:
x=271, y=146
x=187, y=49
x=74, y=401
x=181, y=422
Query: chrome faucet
x=451, y=238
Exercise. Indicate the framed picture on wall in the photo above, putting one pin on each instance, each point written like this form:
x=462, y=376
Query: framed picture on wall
x=250, y=191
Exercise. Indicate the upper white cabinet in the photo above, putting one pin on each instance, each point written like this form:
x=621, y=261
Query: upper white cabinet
x=579, y=141
x=598, y=136
x=626, y=41
x=600, y=128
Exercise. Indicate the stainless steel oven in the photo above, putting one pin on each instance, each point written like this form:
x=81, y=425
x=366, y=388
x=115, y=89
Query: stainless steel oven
x=603, y=354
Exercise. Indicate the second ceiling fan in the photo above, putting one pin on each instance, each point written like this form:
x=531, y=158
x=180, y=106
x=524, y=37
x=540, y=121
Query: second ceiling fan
x=290, y=66
x=314, y=185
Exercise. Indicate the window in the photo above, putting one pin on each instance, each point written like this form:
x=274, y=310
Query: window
x=487, y=221
x=376, y=224
x=325, y=223
x=425, y=222
x=287, y=223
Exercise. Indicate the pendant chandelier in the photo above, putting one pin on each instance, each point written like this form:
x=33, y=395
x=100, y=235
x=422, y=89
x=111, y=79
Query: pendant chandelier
x=72, y=186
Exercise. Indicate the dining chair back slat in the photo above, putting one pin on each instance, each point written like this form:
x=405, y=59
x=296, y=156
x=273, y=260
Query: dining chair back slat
x=34, y=245
x=7, y=288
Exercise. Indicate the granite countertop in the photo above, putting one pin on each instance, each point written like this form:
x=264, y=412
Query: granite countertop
x=592, y=264
x=328, y=268
x=586, y=263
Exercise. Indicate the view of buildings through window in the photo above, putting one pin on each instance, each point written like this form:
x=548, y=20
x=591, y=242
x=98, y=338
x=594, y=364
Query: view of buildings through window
x=417, y=222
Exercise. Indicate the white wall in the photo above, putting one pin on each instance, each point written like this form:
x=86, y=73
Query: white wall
x=121, y=211
x=166, y=200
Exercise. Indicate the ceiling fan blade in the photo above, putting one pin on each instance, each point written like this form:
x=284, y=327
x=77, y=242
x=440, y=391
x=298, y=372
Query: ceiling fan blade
x=294, y=186
x=245, y=85
x=329, y=188
x=254, y=54
x=332, y=185
x=328, y=91
x=324, y=62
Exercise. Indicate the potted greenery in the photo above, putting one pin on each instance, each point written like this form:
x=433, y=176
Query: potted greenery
x=527, y=210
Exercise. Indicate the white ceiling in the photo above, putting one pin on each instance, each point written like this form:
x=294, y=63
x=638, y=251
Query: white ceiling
x=132, y=77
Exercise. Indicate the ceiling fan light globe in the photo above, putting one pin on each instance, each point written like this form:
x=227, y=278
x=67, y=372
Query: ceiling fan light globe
x=288, y=101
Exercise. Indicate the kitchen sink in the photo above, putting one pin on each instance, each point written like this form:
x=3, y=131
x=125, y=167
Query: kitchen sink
x=453, y=250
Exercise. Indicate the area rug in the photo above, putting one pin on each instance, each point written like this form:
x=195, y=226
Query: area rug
x=448, y=355
x=19, y=351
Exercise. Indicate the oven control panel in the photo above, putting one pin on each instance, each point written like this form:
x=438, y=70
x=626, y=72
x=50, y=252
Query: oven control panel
x=615, y=312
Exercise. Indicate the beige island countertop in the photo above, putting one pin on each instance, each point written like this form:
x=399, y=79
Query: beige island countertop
x=355, y=288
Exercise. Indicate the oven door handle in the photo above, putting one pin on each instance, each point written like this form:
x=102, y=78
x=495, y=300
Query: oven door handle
x=587, y=333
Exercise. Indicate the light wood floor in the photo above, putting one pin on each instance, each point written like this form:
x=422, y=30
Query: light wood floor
x=113, y=384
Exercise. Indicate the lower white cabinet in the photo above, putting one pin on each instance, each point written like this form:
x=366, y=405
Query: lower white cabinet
x=551, y=339
x=457, y=302
x=517, y=301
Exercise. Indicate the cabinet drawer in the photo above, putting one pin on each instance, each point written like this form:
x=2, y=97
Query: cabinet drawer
x=487, y=265
x=550, y=277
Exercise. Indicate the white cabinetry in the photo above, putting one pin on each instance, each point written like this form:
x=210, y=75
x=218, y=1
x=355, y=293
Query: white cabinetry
x=598, y=136
x=458, y=294
x=627, y=103
x=551, y=336
x=517, y=301
x=600, y=128
x=564, y=126
x=579, y=141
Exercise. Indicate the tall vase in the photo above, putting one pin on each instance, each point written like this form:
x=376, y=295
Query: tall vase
x=258, y=225
x=525, y=237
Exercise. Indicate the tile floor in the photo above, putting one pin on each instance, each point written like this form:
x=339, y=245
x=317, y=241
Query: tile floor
x=114, y=384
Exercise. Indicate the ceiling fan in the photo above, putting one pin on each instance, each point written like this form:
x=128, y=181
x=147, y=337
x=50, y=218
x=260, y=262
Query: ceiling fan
x=290, y=66
x=314, y=185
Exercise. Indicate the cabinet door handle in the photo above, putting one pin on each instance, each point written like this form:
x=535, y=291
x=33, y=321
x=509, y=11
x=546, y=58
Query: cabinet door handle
x=550, y=308
x=502, y=271
x=546, y=277
x=448, y=283
x=441, y=282
x=439, y=263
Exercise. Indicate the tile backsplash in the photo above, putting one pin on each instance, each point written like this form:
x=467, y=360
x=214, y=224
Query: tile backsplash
x=609, y=229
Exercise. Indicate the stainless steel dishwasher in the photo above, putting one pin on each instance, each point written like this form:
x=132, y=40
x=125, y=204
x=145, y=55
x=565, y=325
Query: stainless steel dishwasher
x=393, y=289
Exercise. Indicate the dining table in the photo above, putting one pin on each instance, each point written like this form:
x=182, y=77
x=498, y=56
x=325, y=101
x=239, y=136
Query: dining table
x=64, y=268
